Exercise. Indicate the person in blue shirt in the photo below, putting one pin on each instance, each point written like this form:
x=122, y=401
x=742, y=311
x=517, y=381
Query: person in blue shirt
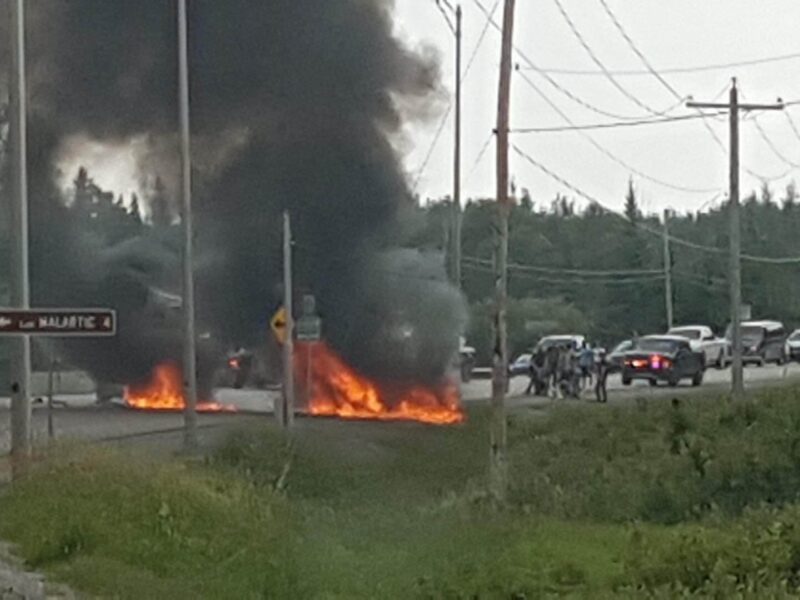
x=586, y=364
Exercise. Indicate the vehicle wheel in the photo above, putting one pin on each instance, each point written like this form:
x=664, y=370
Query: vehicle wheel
x=721, y=360
x=653, y=382
x=760, y=363
x=697, y=379
x=626, y=380
x=673, y=380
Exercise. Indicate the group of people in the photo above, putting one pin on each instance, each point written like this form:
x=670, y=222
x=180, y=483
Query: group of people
x=565, y=371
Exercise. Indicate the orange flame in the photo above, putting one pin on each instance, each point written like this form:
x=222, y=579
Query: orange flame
x=164, y=391
x=338, y=390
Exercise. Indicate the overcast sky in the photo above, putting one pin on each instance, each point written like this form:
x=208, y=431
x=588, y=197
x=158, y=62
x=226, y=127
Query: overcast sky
x=673, y=34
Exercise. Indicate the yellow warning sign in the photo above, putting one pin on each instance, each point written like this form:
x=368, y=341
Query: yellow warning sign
x=278, y=324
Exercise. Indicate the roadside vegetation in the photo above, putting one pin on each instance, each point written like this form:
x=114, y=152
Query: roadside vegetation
x=653, y=499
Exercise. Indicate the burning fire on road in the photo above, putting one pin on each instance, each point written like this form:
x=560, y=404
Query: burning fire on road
x=164, y=391
x=338, y=390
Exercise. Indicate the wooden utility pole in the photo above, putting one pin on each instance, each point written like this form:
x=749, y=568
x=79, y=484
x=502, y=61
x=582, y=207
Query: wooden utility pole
x=189, y=350
x=735, y=264
x=498, y=434
x=287, y=409
x=18, y=231
x=456, y=237
x=667, y=271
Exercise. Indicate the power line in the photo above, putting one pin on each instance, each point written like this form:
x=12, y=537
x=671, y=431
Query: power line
x=552, y=280
x=567, y=271
x=643, y=227
x=596, y=60
x=478, y=159
x=553, y=82
x=671, y=89
x=613, y=125
x=449, y=109
x=674, y=70
x=450, y=25
x=479, y=42
x=606, y=152
x=772, y=146
x=792, y=124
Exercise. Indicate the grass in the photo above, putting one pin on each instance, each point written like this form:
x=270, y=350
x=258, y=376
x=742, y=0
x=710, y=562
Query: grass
x=649, y=500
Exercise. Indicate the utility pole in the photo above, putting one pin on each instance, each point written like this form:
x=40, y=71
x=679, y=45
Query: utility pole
x=667, y=271
x=287, y=410
x=735, y=266
x=498, y=433
x=456, y=237
x=189, y=350
x=18, y=230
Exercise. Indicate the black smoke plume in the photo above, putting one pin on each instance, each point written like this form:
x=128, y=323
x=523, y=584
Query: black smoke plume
x=295, y=105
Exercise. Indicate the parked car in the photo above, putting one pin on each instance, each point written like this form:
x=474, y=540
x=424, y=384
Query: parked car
x=716, y=351
x=617, y=356
x=667, y=358
x=793, y=346
x=521, y=365
x=762, y=342
x=466, y=360
x=573, y=342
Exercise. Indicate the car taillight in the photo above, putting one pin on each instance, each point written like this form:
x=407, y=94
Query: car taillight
x=660, y=362
x=233, y=363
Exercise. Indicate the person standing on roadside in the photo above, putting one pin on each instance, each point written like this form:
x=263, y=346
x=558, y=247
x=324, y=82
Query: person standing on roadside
x=586, y=363
x=602, y=368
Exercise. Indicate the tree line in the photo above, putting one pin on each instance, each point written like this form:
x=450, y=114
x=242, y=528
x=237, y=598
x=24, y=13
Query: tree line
x=600, y=274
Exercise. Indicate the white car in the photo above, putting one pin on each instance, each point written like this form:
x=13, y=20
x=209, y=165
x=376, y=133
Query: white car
x=793, y=346
x=715, y=350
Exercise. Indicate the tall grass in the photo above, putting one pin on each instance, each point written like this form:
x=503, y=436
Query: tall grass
x=650, y=500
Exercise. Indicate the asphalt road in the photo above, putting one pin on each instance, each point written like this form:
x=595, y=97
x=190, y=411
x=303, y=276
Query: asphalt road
x=78, y=417
x=714, y=379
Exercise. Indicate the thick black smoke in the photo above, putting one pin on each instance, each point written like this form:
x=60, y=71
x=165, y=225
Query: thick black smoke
x=294, y=106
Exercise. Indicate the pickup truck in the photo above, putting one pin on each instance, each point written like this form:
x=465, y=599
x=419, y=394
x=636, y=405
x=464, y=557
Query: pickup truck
x=715, y=350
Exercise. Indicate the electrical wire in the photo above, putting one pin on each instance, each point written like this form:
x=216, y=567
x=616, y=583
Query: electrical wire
x=564, y=91
x=478, y=159
x=792, y=124
x=675, y=70
x=596, y=60
x=613, y=125
x=446, y=115
x=566, y=271
x=634, y=48
x=445, y=15
x=643, y=227
x=545, y=279
x=768, y=141
x=607, y=153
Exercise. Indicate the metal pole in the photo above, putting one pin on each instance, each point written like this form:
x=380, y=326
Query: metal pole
x=18, y=230
x=737, y=374
x=287, y=416
x=667, y=271
x=51, y=433
x=498, y=430
x=189, y=351
x=309, y=394
x=456, y=241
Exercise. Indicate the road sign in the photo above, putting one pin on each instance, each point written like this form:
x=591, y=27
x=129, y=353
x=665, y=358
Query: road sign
x=59, y=322
x=278, y=324
x=309, y=328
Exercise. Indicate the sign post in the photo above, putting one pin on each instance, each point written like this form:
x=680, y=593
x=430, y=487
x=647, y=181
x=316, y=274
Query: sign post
x=309, y=330
x=59, y=322
x=55, y=322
